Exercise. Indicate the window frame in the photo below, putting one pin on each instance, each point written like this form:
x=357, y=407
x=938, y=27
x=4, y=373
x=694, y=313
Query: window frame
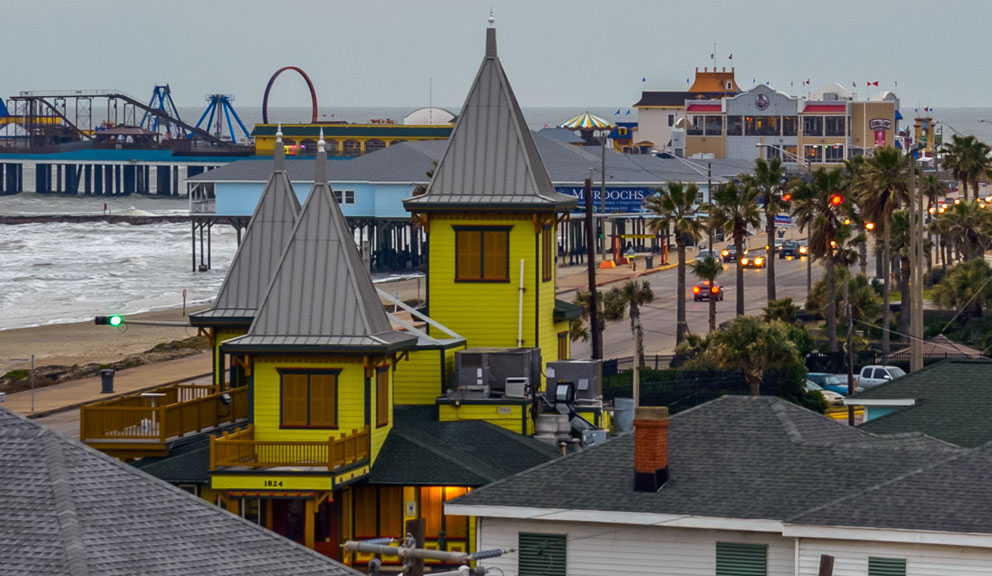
x=381, y=398
x=482, y=252
x=731, y=553
x=563, y=345
x=308, y=372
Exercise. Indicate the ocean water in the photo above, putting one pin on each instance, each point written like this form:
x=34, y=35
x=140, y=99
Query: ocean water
x=58, y=273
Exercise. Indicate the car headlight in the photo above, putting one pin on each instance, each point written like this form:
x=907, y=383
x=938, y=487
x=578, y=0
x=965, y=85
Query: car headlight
x=802, y=249
x=725, y=252
x=759, y=261
x=744, y=261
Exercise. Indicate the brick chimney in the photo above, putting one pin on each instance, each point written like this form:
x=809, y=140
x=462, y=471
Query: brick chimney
x=650, y=448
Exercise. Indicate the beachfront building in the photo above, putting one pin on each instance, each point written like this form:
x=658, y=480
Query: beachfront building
x=766, y=123
x=347, y=140
x=491, y=214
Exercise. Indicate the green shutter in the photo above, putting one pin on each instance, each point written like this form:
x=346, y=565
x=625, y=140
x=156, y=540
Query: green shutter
x=886, y=566
x=741, y=559
x=541, y=554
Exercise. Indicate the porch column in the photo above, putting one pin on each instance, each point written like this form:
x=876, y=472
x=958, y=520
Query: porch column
x=308, y=524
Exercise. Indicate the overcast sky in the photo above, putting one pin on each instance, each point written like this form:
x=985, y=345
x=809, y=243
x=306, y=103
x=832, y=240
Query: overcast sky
x=556, y=52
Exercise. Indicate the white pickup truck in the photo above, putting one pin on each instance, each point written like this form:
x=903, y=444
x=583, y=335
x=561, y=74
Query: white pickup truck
x=871, y=376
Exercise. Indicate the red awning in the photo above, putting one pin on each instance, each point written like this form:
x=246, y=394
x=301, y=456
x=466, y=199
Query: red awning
x=704, y=108
x=825, y=109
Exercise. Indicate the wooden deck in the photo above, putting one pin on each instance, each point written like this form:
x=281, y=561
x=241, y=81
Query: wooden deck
x=240, y=449
x=143, y=424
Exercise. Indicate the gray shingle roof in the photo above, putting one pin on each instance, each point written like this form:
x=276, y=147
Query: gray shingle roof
x=491, y=161
x=321, y=297
x=255, y=262
x=735, y=457
x=422, y=451
x=68, y=509
x=953, y=402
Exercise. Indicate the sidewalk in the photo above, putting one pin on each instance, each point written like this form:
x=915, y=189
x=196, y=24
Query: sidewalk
x=75, y=393
x=576, y=277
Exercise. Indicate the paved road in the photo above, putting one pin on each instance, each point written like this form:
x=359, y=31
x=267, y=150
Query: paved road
x=658, y=319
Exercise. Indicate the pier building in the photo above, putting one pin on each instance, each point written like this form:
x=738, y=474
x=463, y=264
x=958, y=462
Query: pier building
x=343, y=139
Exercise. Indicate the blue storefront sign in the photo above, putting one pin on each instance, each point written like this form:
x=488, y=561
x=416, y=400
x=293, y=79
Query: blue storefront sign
x=619, y=200
x=783, y=219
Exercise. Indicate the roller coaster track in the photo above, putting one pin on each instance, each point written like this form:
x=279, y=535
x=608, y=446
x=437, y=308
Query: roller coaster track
x=46, y=99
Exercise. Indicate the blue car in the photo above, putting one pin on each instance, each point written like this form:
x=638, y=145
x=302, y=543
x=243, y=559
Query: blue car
x=833, y=382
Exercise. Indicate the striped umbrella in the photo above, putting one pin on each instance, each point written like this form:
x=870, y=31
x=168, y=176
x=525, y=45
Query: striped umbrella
x=586, y=121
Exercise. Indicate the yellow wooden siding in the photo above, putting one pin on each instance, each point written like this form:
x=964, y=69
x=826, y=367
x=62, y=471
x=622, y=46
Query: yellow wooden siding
x=418, y=379
x=350, y=396
x=223, y=335
x=510, y=418
x=379, y=433
x=486, y=313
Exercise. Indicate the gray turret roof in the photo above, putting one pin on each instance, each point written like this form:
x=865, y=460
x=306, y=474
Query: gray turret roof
x=68, y=509
x=255, y=262
x=491, y=162
x=321, y=297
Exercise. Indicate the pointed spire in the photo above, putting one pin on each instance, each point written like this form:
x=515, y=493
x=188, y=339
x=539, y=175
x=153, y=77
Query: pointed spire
x=279, y=154
x=320, y=174
x=491, y=36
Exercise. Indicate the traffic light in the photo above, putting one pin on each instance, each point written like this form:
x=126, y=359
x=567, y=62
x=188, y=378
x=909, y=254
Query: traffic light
x=836, y=199
x=115, y=320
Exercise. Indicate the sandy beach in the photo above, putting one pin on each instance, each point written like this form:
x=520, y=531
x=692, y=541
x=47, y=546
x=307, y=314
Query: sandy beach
x=84, y=342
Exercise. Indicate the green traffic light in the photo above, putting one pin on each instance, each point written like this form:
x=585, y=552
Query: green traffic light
x=116, y=320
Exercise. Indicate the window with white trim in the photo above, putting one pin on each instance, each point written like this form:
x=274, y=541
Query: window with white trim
x=344, y=196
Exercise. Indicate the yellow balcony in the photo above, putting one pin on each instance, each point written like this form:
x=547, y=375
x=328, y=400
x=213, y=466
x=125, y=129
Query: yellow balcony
x=144, y=424
x=240, y=449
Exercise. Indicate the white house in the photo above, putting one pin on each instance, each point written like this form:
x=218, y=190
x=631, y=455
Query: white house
x=743, y=486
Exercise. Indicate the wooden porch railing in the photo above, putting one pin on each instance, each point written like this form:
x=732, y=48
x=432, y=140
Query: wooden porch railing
x=241, y=449
x=182, y=409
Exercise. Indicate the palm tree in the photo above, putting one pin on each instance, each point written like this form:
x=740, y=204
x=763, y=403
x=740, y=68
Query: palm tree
x=978, y=163
x=707, y=270
x=956, y=160
x=968, y=287
x=676, y=206
x=736, y=209
x=632, y=295
x=816, y=213
x=752, y=345
x=885, y=188
x=768, y=177
x=854, y=170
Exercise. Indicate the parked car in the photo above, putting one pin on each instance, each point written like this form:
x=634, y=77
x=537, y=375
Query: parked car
x=831, y=397
x=754, y=259
x=703, y=290
x=729, y=252
x=779, y=242
x=833, y=382
x=871, y=376
x=790, y=249
x=704, y=254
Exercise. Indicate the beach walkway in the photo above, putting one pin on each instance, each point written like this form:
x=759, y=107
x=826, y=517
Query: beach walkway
x=75, y=393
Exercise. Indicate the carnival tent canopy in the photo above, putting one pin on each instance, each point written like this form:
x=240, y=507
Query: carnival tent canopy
x=586, y=121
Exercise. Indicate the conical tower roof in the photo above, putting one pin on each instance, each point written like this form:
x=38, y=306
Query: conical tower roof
x=321, y=298
x=255, y=261
x=491, y=162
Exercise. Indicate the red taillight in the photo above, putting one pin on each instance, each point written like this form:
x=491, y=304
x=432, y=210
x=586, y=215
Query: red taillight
x=715, y=289
x=695, y=289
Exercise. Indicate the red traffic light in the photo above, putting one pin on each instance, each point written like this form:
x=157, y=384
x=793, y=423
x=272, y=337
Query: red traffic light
x=836, y=199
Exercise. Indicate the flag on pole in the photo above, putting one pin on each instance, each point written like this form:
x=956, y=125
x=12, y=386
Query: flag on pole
x=644, y=79
x=731, y=57
x=686, y=80
x=870, y=83
x=628, y=111
x=617, y=113
x=712, y=55
x=854, y=84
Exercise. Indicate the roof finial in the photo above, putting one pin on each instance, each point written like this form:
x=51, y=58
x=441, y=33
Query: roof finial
x=321, y=145
x=491, y=36
x=320, y=172
x=492, y=19
x=279, y=150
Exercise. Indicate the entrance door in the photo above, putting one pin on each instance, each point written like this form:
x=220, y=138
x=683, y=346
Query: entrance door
x=288, y=519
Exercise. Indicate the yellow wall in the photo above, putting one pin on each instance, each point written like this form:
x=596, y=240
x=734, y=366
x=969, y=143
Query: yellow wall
x=222, y=335
x=705, y=145
x=424, y=376
x=861, y=133
x=514, y=417
x=485, y=313
x=350, y=399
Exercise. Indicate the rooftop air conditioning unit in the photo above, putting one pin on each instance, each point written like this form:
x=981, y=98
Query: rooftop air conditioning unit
x=517, y=387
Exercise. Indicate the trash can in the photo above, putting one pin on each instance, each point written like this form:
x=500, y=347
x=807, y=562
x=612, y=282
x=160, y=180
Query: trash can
x=649, y=262
x=107, y=381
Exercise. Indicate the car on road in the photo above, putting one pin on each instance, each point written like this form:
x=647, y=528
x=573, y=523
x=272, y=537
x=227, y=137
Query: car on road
x=729, y=252
x=789, y=249
x=705, y=289
x=871, y=376
x=803, y=248
x=831, y=397
x=833, y=382
x=704, y=254
x=755, y=259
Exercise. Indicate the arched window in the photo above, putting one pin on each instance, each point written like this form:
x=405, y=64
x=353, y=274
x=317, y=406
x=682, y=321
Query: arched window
x=307, y=148
x=352, y=148
x=373, y=145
